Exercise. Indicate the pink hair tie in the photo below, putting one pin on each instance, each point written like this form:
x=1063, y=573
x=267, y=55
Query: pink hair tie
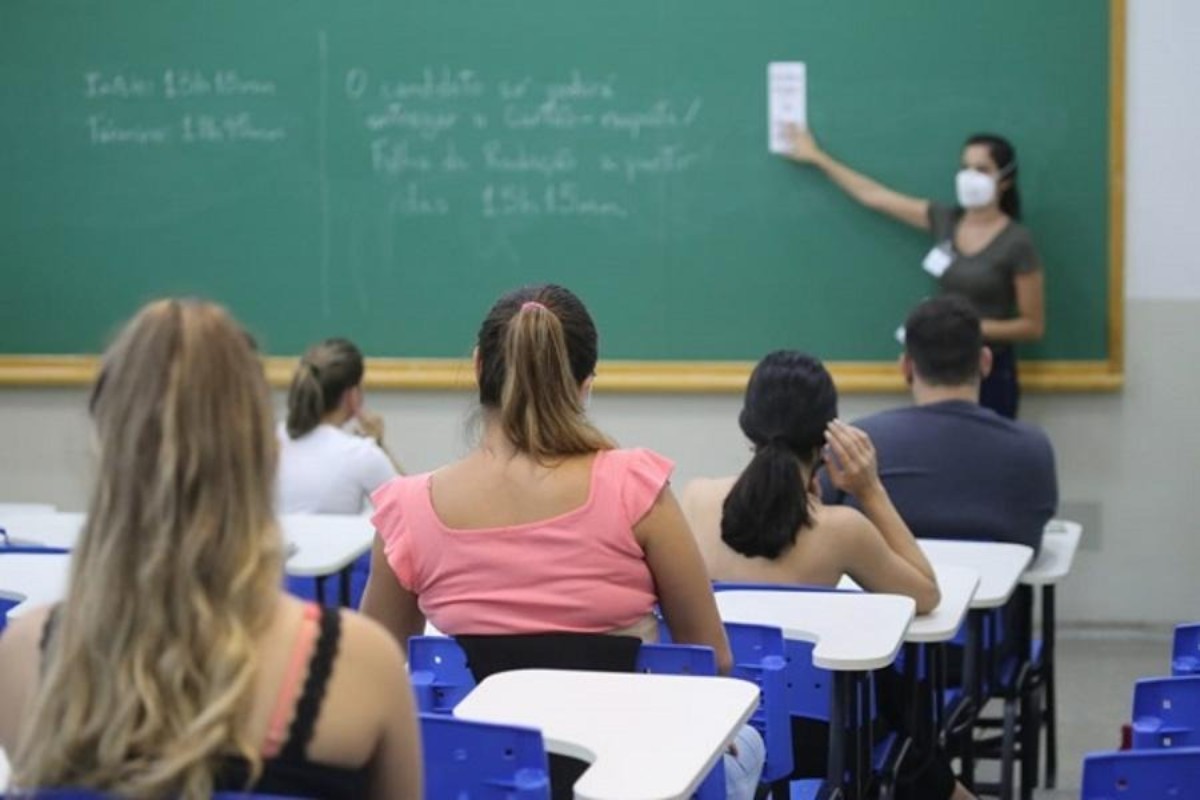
x=529, y=305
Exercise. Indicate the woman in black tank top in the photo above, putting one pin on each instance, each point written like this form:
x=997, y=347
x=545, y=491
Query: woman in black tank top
x=150, y=678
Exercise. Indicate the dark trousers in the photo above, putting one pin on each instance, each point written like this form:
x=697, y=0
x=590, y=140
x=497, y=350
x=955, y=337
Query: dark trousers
x=1000, y=390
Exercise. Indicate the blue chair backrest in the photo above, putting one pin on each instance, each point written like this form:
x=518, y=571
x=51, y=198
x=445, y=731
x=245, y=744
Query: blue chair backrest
x=468, y=760
x=1141, y=775
x=1185, y=654
x=758, y=657
x=1166, y=713
x=439, y=673
x=676, y=659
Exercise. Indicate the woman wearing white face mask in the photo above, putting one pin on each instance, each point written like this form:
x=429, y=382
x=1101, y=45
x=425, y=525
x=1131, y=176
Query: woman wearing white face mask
x=980, y=249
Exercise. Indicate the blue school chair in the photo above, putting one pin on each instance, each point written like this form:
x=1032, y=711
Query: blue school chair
x=1141, y=775
x=1166, y=713
x=758, y=657
x=483, y=761
x=441, y=678
x=1185, y=654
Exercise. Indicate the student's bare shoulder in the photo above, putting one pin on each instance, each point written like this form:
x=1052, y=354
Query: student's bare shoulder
x=839, y=521
x=25, y=631
x=707, y=490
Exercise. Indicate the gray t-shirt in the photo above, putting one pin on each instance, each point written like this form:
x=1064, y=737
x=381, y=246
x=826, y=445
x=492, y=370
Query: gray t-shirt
x=987, y=277
x=956, y=470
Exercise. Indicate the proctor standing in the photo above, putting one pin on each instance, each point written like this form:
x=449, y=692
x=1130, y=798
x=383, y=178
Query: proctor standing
x=981, y=250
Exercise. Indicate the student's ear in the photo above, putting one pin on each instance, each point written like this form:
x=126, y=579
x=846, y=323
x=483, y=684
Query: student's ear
x=585, y=391
x=906, y=368
x=478, y=362
x=985, y=361
x=352, y=401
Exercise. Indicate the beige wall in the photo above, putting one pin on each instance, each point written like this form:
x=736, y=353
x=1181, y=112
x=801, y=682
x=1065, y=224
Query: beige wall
x=1129, y=463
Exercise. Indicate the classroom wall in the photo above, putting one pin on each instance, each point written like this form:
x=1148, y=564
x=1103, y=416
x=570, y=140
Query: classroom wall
x=1128, y=462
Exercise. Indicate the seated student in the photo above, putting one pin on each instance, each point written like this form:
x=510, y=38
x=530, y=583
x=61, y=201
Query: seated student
x=768, y=525
x=954, y=469
x=322, y=468
x=176, y=666
x=546, y=527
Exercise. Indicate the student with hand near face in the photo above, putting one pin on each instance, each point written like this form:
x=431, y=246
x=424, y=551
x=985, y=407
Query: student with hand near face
x=324, y=468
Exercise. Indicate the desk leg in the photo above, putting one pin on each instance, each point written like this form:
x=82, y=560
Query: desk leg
x=344, y=587
x=1051, y=708
x=859, y=709
x=838, y=705
x=973, y=685
x=320, y=582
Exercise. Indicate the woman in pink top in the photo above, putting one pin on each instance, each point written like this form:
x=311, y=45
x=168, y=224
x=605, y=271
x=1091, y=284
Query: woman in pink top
x=546, y=526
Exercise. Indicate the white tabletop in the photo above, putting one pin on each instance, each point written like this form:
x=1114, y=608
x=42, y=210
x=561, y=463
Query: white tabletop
x=851, y=631
x=35, y=579
x=322, y=544
x=56, y=529
x=3, y=770
x=957, y=586
x=647, y=737
x=1053, y=562
x=325, y=543
x=1000, y=565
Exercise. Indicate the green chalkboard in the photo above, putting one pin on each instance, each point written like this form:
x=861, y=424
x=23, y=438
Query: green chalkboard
x=383, y=170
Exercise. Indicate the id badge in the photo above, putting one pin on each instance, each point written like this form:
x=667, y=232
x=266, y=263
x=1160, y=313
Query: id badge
x=938, y=260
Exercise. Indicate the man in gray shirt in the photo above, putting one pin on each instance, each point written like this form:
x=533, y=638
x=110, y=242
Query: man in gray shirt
x=954, y=469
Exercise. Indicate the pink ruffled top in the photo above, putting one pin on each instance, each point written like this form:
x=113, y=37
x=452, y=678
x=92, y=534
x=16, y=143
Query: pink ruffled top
x=581, y=571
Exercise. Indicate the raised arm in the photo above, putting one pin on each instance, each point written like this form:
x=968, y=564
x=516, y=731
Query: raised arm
x=684, y=592
x=884, y=556
x=867, y=191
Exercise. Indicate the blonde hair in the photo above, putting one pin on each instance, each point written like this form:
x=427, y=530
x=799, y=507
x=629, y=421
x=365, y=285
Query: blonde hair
x=148, y=678
x=537, y=346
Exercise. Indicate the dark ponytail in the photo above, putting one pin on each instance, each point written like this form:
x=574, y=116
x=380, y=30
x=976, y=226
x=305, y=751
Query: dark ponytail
x=536, y=348
x=1004, y=155
x=789, y=402
x=325, y=373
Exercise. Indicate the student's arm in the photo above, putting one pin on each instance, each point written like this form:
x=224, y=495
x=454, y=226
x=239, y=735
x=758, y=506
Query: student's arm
x=851, y=463
x=910, y=210
x=20, y=656
x=684, y=592
x=395, y=765
x=1030, y=323
x=371, y=425
x=387, y=602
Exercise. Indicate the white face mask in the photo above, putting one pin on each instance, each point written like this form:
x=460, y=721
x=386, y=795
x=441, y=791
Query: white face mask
x=975, y=189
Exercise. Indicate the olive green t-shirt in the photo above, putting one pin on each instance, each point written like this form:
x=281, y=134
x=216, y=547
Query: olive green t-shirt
x=986, y=278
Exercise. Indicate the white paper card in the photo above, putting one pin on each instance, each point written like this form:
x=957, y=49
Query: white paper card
x=787, y=102
x=938, y=260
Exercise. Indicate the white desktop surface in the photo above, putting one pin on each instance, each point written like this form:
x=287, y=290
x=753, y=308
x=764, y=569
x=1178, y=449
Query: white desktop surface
x=36, y=579
x=957, y=586
x=4, y=770
x=851, y=631
x=322, y=544
x=1059, y=545
x=647, y=737
x=1000, y=565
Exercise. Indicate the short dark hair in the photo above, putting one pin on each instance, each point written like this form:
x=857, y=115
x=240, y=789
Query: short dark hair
x=943, y=337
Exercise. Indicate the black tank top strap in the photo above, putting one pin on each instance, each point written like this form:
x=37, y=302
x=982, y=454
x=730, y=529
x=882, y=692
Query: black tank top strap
x=308, y=707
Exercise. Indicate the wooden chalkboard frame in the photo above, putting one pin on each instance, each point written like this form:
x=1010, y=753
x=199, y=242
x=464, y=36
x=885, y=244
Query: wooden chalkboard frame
x=731, y=376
